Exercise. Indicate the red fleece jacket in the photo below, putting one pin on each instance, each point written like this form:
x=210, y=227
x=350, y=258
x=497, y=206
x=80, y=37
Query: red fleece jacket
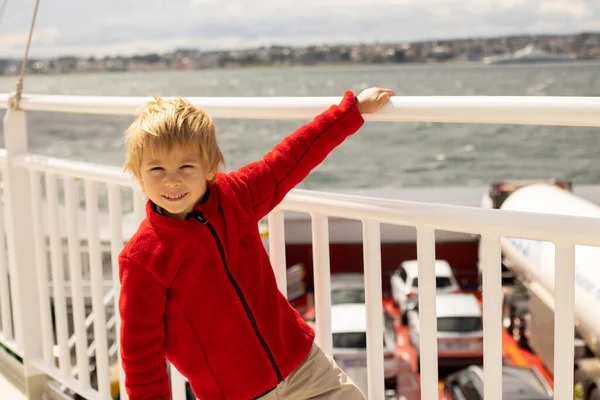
x=202, y=294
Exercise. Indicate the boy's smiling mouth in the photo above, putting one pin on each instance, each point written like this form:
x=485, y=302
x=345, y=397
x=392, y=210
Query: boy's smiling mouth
x=174, y=198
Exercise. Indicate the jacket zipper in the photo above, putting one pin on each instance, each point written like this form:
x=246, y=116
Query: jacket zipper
x=200, y=217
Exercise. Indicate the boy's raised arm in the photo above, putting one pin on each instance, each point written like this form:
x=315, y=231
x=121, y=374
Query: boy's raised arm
x=290, y=161
x=142, y=307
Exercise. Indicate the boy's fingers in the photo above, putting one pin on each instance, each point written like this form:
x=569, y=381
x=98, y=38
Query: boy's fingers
x=383, y=97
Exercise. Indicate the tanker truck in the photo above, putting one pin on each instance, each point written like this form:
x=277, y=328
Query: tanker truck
x=528, y=280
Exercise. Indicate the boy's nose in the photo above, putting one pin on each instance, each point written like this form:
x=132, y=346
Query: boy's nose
x=172, y=181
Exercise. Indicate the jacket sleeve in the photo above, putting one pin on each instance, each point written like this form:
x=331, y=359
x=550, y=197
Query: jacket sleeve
x=142, y=307
x=290, y=161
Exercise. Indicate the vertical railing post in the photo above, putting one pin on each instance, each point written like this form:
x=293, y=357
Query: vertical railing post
x=21, y=260
x=277, y=248
x=115, y=213
x=373, y=300
x=492, y=316
x=564, y=319
x=428, y=356
x=322, y=282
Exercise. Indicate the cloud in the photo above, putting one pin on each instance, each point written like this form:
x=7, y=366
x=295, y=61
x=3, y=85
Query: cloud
x=139, y=26
x=43, y=37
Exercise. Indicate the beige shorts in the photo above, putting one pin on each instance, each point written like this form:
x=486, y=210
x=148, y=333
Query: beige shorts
x=318, y=377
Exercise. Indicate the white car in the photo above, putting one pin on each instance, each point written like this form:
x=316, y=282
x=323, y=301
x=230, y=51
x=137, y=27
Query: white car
x=349, y=329
x=405, y=283
x=459, y=330
x=347, y=288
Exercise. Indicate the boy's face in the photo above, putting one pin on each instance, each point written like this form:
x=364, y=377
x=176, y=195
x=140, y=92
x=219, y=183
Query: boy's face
x=175, y=180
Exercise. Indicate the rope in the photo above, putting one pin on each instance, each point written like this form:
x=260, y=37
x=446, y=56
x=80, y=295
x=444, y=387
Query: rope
x=15, y=99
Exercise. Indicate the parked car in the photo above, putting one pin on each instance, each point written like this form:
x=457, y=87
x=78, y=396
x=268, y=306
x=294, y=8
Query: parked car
x=459, y=330
x=518, y=383
x=346, y=288
x=349, y=330
x=405, y=283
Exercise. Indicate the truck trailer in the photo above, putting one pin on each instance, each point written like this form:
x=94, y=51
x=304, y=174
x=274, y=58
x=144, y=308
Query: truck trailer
x=528, y=280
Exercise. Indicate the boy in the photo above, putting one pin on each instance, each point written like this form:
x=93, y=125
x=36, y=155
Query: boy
x=197, y=287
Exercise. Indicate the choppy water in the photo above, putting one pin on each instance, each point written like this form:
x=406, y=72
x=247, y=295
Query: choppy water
x=381, y=154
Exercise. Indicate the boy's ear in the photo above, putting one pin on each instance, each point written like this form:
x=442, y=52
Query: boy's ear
x=211, y=175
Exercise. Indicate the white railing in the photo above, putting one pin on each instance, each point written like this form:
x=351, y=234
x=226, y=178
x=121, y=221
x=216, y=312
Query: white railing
x=26, y=325
x=566, y=111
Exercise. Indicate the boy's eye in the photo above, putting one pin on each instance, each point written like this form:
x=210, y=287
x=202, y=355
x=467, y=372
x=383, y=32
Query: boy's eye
x=187, y=166
x=156, y=169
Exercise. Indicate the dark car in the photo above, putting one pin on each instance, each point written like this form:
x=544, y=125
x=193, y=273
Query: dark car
x=518, y=383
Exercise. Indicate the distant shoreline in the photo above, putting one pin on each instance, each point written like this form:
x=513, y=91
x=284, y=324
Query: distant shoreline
x=449, y=63
x=466, y=51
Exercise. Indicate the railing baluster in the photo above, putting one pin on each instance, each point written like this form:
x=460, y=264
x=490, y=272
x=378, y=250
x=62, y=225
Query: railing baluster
x=427, y=312
x=177, y=384
x=139, y=204
x=277, y=248
x=372, y=269
x=39, y=245
x=564, y=319
x=58, y=276
x=492, y=317
x=5, y=298
x=91, y=202
x=77, y=297
x=116, y=244
x=322, y=281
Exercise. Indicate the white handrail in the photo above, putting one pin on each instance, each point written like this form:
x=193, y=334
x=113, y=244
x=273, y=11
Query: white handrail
x=76, y=169
x=533, y=110
x=582, y=230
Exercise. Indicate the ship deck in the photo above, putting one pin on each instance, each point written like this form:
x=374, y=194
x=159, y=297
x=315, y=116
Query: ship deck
x=9, y=390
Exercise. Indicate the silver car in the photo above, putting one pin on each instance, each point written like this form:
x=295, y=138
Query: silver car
x=459, y=330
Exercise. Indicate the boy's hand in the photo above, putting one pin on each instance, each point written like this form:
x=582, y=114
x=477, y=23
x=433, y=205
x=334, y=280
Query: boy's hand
x=372, y=99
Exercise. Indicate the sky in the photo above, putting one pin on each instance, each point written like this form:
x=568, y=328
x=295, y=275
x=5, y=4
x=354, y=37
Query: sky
x=126, y=27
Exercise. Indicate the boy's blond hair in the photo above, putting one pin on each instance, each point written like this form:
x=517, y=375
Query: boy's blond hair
x=163, y=123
